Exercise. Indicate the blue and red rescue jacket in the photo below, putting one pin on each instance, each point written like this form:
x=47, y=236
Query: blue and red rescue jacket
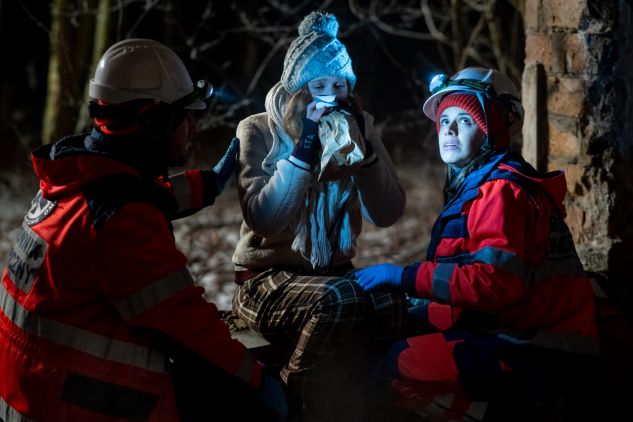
x=502, y=259
x=94, y=270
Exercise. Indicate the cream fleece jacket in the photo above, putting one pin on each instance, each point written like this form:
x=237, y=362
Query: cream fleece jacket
x=270, y=202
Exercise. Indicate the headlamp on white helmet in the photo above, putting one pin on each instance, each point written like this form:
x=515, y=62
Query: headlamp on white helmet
x=482, y=82
x=202, y=91
x=442, y=81
x=139, y=68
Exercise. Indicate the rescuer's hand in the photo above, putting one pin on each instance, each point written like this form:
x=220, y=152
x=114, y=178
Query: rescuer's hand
x=379, y=275
x=271, y=395
x=224, y=168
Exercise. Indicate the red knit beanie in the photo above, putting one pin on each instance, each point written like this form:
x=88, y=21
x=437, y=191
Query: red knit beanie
x=496, y=127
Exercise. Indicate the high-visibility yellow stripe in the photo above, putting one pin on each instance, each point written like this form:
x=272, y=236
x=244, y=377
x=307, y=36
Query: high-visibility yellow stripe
x=79, y=339
x=9, y=414
x=155, y=293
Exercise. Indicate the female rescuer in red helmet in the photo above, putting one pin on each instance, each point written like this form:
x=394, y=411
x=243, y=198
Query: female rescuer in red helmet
x=501, y=276
x=99, y=316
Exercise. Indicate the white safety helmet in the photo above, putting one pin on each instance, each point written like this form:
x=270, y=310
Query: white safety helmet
x=138, y=68
x=488, y=83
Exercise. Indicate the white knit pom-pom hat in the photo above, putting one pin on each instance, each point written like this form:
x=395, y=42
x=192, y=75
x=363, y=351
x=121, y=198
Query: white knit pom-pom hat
x=316, y=53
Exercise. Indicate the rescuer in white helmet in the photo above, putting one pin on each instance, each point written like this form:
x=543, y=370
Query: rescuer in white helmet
x=142, y=87
x=100, y=317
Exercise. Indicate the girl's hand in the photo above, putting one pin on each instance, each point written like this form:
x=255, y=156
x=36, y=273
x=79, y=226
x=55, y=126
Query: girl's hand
x=312, y=113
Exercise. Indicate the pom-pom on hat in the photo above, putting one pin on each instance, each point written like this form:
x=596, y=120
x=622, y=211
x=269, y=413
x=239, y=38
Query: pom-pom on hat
x=492, y=122
x=316, y=52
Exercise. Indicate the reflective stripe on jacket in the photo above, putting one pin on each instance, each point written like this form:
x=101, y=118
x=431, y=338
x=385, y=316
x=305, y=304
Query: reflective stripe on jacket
x=93, y=274
x=501, y=258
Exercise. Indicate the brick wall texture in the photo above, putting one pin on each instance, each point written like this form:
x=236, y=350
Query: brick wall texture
x=584, y=50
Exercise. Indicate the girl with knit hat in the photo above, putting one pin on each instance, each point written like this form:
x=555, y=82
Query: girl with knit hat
x=302, y=216
x=501, y=277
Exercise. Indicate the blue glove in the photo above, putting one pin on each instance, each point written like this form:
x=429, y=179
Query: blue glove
x=271, y=395
x=379, y=275
x=224, y=168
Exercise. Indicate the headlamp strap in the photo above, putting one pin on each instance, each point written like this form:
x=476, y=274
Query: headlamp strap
x=202, y=90
x=473, y=84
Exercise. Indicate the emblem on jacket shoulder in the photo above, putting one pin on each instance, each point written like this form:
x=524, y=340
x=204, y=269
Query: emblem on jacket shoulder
x=40, y=209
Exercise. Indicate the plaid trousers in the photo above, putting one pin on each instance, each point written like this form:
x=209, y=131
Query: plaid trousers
x=317, y=315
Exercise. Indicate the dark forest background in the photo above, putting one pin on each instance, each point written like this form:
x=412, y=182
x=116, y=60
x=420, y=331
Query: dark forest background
x=49, y=51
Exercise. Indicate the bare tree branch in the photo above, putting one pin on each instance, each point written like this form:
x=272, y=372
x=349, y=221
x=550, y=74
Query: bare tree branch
x=430, y=23
x=119, y=23
x=476, y=5
x=413, y=83
x=474, y=35
x=264, y=64
x=495, y=38
x=33, y=18
x=456, y=30
x=149, y=5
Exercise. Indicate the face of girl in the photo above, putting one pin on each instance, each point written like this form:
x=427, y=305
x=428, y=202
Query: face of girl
x=329, y=85
x=459, y=137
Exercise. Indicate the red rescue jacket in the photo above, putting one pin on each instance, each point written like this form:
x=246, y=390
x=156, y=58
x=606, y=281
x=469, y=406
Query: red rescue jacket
x=501, y=258
x=94, y=269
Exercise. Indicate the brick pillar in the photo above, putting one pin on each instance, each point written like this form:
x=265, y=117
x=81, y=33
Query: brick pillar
x=578, y=66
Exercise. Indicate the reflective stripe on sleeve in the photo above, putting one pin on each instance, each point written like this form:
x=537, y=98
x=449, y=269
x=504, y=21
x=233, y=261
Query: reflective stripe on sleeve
x=566, y=267
x=181, y=190
x=568, y=342
x=79, y=339
x=108, y=399
x=9, y=414
x=247, y=366
x=511, y=262
x=563, y=267
x=440, y=287
x=502, y=259
x=155, y=293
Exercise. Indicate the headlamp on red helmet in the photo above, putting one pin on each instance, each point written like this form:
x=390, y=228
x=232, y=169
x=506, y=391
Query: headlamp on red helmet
x=442, y=81
x=483, y=83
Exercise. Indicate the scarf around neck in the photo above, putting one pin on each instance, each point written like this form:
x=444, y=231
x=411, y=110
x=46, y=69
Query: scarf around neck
x=322, y=225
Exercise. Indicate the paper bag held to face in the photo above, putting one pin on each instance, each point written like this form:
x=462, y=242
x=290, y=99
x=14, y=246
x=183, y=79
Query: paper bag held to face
x=343, y=147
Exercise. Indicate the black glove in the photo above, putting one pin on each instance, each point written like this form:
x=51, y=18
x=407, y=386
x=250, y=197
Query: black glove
x=307, y=150
x=370, y=157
